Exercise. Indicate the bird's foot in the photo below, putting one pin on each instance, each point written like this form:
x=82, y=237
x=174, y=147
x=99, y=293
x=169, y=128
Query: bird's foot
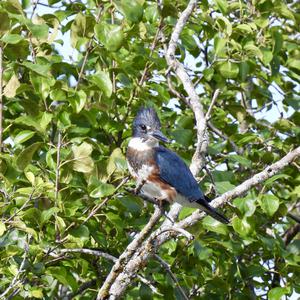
x=139, y=187
x=163, y=204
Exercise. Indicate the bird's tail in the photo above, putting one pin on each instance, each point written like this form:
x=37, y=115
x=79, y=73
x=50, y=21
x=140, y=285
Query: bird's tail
x=212, y=212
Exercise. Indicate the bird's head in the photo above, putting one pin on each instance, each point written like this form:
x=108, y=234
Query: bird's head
x=146, y=125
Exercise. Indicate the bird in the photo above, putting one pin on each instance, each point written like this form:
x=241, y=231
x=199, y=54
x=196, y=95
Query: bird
x=160, y=173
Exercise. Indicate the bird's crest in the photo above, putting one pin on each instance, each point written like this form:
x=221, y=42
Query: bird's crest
x=147, y=116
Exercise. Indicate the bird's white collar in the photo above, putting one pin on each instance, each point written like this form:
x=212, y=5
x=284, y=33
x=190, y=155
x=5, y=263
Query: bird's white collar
x=140, y=144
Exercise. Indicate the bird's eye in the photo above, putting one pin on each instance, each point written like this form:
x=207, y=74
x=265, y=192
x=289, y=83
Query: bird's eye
x=143, y=127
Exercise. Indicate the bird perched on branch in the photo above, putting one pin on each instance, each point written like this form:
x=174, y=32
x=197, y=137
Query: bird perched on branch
x=160, y=173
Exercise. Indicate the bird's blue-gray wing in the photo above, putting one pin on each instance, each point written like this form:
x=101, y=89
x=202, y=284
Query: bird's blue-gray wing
x=175, y=172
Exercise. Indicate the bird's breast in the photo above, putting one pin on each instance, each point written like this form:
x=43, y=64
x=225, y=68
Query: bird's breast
x=140, y=163
x=142, y=167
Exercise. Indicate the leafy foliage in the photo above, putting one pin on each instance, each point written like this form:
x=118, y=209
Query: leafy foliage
x=66, y=125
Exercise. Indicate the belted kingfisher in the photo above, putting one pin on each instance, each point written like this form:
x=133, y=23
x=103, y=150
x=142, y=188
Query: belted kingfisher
x=160, y=173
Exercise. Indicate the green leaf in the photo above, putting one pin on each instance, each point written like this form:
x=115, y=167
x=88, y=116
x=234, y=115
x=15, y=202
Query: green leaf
x=45, y=121
x=275, y=177
x=47, y=214
x=36, y=293
x=224, y=186
x=245, y=205
x=102, y=190
x=81, y=29
x=269, y=204
x=277, y=293
x=12, y=38
x=229, y=69
x=25, y=157
x=244, y=28
x=59, y=273
x=183, y=136
x=208, y=73
x=224, y=23
x=82, y=160
x=78, y=101
x=23, y=136
x=151, y=13
x=219, y=44
x=81, y=232
x=244, y=70
x=110, y=35
x=215, y=226
x=240, y=159
x=253, y=50
x=102, y=80
x=114, y=159
x=294, y=63
x=132, y=10
x=241, y=226
x=116, y=220
x=37, y=68
x=5, y=22
x=39, y=31
x=222, y=6
x=267, y=56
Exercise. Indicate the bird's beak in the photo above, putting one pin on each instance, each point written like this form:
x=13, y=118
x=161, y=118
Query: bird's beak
x=159, y=136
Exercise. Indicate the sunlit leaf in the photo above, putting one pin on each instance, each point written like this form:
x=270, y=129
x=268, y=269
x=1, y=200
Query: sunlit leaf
x=23, y=136
x=11, y=87
x=82, y=159
x=269, y=204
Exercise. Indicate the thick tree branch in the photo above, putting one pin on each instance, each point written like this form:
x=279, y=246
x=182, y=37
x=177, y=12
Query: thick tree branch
x=194, y=100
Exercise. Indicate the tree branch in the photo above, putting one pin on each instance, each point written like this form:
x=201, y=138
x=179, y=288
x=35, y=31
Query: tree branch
x=244, y=187
x=86, y=251
x=166, y=266
x=194, y=100
x=213, y=101
x=15, y=280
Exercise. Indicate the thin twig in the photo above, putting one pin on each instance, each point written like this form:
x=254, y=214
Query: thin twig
x=86, y=251
x=214, y=99
x=57, y=172
x=225, y=137
x=294, y=217
x=98, y=206
x=88, y=50
x=167, y=267
x=82, y=288
x=149, y=284
x=15, y=280
x=21, y=208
